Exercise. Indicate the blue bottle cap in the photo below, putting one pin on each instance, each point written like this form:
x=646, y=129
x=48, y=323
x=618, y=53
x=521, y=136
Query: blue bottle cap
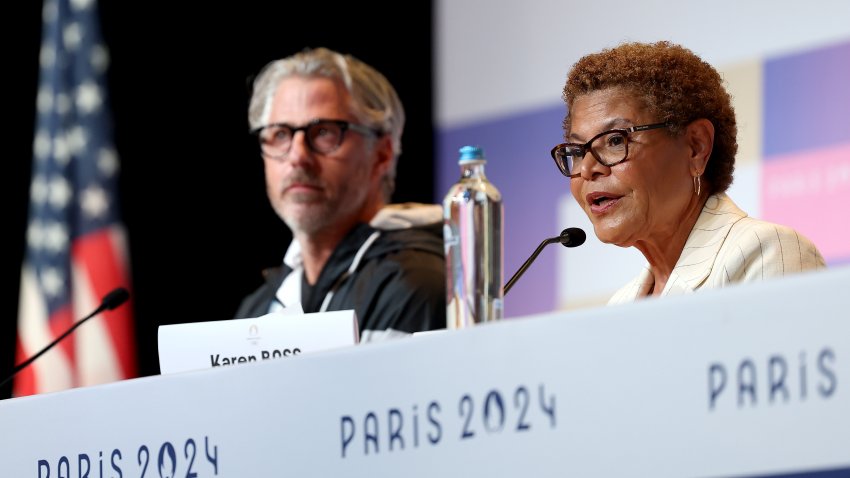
x=469, y=154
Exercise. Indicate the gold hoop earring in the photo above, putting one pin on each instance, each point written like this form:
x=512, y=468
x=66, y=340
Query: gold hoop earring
x=697, y=184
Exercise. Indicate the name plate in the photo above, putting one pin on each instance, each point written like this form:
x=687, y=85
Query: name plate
x=200, y=345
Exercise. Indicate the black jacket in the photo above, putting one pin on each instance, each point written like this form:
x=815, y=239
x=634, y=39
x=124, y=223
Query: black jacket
x=400, y=283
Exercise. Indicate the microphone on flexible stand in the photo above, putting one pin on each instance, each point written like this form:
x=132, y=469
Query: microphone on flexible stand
x=570, y=237
x=110, y=301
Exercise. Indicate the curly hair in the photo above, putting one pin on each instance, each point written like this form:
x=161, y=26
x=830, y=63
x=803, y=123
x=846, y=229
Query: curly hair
x=675, y=85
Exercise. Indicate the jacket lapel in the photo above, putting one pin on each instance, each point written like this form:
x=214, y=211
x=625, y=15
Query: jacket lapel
x=703, y=244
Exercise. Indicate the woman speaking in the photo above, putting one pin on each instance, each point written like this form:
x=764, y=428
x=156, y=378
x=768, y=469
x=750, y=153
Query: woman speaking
x=650, y=151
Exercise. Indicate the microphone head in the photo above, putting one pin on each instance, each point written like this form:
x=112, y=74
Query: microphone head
x=115, y=298
x=572, y=237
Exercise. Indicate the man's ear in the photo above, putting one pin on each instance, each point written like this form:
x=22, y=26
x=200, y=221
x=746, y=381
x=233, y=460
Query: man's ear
x=700, y=140
x=384, y=154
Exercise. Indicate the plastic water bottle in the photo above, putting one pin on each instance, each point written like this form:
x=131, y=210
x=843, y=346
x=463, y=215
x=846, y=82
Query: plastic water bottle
x=472, y=231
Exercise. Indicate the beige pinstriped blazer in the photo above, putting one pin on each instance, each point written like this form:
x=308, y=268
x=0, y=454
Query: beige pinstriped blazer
x=725, y=247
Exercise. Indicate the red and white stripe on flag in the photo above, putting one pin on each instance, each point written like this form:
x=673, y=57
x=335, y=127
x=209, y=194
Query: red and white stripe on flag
x=102, y=351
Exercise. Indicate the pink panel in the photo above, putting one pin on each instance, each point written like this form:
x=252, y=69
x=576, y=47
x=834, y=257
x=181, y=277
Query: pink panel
x=810, y=191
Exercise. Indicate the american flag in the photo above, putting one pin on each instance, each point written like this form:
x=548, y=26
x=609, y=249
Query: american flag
x=76, y=245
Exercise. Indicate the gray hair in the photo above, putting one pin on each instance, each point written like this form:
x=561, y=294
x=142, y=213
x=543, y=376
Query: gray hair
x=375, y=102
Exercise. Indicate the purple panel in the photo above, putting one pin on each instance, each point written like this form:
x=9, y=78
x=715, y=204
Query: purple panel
x=518, y=164
x=807, y=100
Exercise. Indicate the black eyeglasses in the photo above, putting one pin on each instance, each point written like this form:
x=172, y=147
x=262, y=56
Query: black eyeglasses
x=610, y=148
x=323, y=136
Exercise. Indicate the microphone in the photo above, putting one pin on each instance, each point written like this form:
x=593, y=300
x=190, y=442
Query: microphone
x=109, y=302
x=570, y=237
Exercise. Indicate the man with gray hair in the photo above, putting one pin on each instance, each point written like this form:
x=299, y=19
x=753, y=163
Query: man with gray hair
x=329, y=128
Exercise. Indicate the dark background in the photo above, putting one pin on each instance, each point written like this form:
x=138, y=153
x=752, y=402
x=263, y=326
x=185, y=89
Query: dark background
x=199, y=224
